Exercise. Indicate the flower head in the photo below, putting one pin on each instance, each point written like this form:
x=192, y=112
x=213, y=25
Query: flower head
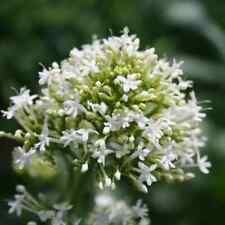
x=110, y=107
x=111, y=211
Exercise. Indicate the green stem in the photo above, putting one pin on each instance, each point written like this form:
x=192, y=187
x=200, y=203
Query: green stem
x=11, y=136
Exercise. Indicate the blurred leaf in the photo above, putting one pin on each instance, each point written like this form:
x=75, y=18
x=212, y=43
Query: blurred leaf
x=202, y=70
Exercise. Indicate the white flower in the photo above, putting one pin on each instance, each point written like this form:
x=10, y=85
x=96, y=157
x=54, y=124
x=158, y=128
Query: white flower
x=146, y=173
x=84, y=61
x=46, y=76
x=144, y=153
x=77, y=54
x=23, y=99
x=129, y=83
x=195, y=110
x=10, y=113
x=118, y=121
x=43, y=138
x=68, y=70
x=111, y=211
x=154, y=131
x=104, y=200
x=141, y=152
x=149, y=56
x=187, y=158
x=141, y=120
x=130, y=43
x=127, y=44
x=80, y=135
x=101, y=108
x=189, y=112
x=73, y=107
x=167, y=160
x=101, y=151
x=169, y=156
x=175, y=69
x=91, y=66
x=203, y=164
x=17, y=204
x=20, y=101
x=23, y=158
x=140, y=210
x=120, y=213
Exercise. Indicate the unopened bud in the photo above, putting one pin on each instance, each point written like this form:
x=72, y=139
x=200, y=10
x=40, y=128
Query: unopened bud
x=117, y=175
x=84, y=167
x=20, y=188
x=108, y=181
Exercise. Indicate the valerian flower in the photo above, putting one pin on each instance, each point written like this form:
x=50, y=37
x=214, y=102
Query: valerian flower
x=100, y=151
x=24, y=201
x=23, y=158
x=203, y=164
x=128, y=83
x=140, y=209
x=101, y=108
x=73, y=107
x=48, y=76
x=16, y=205
x=80, y=135
x=19, y=102
x=44, y=140
x=112, y=211
x=109, y=107
x=146, y=174
x=24, y=98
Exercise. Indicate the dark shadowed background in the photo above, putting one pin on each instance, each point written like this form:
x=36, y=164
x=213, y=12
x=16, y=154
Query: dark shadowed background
x=35, y=31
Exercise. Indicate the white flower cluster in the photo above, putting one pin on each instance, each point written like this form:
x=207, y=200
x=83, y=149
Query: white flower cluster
x=54, y=215
x=109, y=211
x=116, y=110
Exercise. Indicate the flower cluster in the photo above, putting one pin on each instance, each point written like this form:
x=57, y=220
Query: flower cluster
x=115, y=110
x=109, y=211
x=58, y=214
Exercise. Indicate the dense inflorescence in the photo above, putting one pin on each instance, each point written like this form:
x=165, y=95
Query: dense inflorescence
x=107, y=211
x=110, y=211
x=114, y=110
x=56, y=214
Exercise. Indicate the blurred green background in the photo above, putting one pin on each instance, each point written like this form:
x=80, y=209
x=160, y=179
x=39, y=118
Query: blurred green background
x=42, y=31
